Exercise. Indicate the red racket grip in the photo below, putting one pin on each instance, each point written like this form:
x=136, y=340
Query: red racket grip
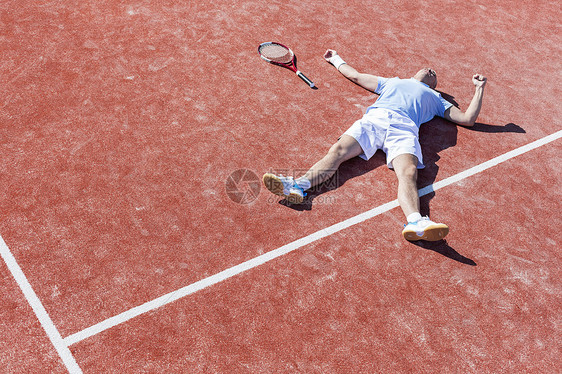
x=304, y=78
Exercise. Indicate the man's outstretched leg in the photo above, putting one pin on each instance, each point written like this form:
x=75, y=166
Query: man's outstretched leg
x=418, y=227
x=344, y=149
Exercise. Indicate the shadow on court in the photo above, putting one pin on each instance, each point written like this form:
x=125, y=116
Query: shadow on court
x=446, y=250
x=435, y=136
x=440, y=134
x=510, y=127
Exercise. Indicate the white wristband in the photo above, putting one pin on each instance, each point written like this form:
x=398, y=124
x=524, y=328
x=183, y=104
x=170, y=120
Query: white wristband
x=337, y=61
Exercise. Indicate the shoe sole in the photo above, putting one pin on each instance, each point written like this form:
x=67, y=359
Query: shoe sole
x=432, y=233
x=275, y=186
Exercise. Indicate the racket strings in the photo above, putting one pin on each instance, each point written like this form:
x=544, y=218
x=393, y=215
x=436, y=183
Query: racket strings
x=277, y=53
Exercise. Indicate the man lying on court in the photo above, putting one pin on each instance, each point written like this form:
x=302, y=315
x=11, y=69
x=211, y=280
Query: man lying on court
x=392, y=125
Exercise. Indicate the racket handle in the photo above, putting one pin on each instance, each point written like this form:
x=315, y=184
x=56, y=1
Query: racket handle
x=304, y=78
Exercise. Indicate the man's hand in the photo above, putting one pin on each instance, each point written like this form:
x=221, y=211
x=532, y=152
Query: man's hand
x=479, y=80
x=468, y=118
x=329, y=54
x=333, y=58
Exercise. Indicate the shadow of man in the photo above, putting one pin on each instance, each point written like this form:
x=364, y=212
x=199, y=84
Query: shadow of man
x=444, y=249
x=439, y=134
x=435, y=136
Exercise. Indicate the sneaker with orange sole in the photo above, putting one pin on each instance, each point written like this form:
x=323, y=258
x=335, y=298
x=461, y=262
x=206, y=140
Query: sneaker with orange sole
x=284, y=186
x=425, y=229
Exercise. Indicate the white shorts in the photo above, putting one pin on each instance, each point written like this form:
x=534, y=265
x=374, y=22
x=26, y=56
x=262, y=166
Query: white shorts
x=385, y=129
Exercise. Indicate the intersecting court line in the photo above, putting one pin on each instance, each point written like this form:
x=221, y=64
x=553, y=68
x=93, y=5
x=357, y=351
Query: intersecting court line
x=257, y=261
x=60, y=346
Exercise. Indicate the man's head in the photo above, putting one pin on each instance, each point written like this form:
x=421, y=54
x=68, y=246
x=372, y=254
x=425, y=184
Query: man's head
x=427, y=76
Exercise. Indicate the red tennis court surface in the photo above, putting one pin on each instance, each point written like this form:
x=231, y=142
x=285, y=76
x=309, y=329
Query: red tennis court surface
x=122, y=123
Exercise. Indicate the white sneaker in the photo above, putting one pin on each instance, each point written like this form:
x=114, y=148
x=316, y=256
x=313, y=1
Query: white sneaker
x=284, y=186
x=425, y=229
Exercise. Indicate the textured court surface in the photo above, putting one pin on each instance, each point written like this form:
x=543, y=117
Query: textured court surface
x=121, y=124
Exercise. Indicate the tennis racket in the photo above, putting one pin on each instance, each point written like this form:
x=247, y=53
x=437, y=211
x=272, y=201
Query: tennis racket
x=280, y=55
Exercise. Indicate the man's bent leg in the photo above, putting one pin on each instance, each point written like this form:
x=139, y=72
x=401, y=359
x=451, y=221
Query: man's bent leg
x=418, y=228
x=344, y=149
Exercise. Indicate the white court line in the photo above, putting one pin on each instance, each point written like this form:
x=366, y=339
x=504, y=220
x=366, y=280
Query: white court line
x=250, y=264
x=39, y=310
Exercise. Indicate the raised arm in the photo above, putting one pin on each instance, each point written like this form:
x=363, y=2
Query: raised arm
x=367, y=81
x=468, y=117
